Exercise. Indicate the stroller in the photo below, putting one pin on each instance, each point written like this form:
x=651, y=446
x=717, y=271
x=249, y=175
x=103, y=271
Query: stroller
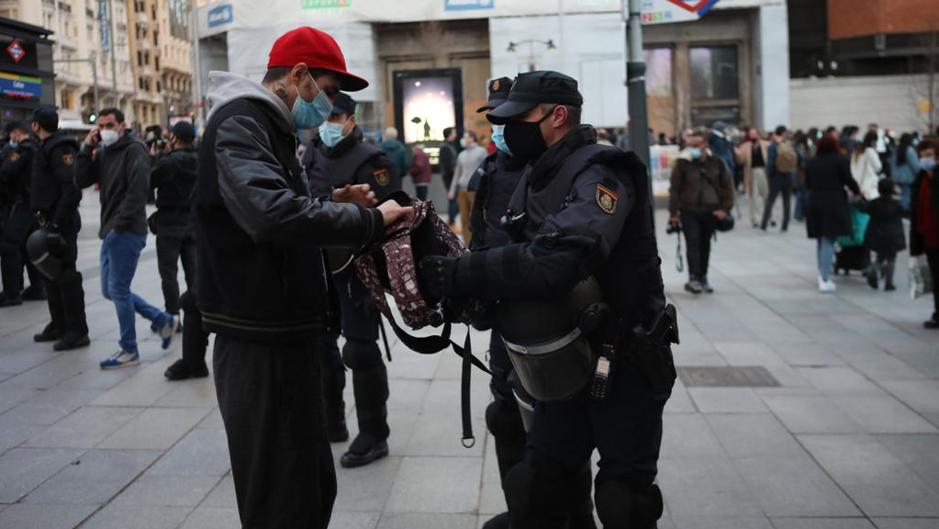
x=851, y=253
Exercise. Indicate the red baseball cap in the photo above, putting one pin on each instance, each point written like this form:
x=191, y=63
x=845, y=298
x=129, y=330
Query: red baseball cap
x=317, y=50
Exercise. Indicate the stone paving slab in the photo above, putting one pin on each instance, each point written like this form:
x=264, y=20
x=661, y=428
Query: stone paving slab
x=848, y=441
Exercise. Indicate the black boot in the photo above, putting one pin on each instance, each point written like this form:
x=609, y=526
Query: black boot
x=181, y=370
x=71, y=341
x=50, y=334
x=34, y=292
x=371, y=395
x=10, y=300
x=499, y=521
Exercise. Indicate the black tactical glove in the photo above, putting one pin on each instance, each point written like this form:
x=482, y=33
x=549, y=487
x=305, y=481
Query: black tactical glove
x=436, y=276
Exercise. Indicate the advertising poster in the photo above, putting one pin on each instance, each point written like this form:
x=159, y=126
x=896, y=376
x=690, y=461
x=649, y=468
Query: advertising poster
x=428, y=108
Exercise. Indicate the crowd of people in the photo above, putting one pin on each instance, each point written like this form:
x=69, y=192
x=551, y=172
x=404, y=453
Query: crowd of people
x=562, y=266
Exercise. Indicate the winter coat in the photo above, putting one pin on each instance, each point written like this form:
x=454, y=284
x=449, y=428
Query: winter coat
x=122, y=171
x=398, y=154
x=688, y=192
x=420, y=168
x=917, y=244
x=866, y=168
x=827, y=213
x=885, y=231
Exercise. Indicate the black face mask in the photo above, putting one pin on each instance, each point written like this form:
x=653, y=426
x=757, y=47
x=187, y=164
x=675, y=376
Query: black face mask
x=524, y=138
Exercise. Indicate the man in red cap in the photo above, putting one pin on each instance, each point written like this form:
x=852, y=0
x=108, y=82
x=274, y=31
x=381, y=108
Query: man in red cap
x=261, y=282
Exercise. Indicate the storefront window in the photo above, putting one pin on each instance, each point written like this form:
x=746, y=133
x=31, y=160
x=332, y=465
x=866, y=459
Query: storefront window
x=714, y=73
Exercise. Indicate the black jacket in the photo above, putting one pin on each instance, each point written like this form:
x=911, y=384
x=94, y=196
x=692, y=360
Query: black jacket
x=174, y=178
x=916, y=238
x=500, y=175
x=54, y=195
x=885, y=230
x=351, y=162
x=122, y=172
x=262, y=276
x=827, y=213
x=16, y=171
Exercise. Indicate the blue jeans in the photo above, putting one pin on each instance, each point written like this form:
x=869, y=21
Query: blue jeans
x=826, y=257
x=120, y=252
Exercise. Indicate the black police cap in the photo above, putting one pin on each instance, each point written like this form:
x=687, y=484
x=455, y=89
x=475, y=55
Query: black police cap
x=534, y=88
x=498, y=93
x=343, y=104
x=47, y=118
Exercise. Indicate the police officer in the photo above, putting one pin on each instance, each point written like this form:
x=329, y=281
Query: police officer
x=581, y=216
x=15, y=174
x=342, y=159
x=54, y=199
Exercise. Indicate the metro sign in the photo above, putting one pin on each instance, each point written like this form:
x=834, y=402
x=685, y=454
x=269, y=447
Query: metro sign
x=16, y=51
x=667, y=11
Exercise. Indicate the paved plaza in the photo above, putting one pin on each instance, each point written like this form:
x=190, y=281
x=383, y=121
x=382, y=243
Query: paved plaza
x=837, y=431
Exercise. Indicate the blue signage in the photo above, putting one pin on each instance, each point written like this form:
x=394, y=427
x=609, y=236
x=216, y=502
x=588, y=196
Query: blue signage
x=221, y=15
x=20, y=86
x=104, y=23
x=467, y=5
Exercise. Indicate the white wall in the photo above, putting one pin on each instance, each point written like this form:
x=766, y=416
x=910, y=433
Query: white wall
x=890, y=101
x=590, y=49
x=772, y=79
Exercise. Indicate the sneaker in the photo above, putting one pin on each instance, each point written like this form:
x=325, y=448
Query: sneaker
x=706, y=287
x=826, y=286
x=168, y=330
x=181, y=370
x=119, y=359
x=694, y=286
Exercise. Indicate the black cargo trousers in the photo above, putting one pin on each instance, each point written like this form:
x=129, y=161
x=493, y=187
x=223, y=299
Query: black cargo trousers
x=271, y=401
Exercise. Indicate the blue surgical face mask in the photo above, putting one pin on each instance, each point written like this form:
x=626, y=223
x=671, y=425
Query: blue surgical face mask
x=13, y=144
x=927, y=163
x=695, y=153
x=331, y=133
x=498, y=137
x=311, y=114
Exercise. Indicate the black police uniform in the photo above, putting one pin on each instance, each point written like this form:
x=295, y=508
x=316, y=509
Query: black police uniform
x=15, y=173
x=582, y=210
x=174, y=178
x=54, y=198
x=353, y=162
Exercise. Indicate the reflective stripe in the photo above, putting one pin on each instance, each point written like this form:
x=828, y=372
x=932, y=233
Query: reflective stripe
x=544, y=348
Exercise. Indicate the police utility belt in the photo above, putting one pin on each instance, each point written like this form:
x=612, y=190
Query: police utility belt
x=584, y=352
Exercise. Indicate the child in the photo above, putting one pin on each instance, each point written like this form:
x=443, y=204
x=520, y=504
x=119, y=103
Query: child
x=884, y=234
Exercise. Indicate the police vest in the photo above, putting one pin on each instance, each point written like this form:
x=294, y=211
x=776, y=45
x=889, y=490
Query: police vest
x=45, y=188
x=348, y=167
x=630, y=278
x=492, y=199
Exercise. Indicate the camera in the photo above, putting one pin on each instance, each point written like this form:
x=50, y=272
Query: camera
x=673, y=228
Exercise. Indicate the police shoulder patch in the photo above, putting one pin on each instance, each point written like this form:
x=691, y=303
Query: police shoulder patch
x=15, y=156
x=68, y=159
x=606, y=199
x=381, y=176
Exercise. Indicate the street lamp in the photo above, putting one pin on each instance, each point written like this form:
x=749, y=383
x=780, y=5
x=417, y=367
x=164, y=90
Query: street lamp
x=548, y=44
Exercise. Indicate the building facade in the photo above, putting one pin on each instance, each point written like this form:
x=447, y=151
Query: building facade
x=732, y=65
x=90, y=51
x=26, y=75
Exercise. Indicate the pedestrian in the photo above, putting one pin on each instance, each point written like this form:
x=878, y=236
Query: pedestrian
x=396, y=152
x=173, y=179
x=866, y=166
x=803, y=143
x=924, y=220
x=261, y=281
x=721, y=146
x=421, y=172
x=119, y=163
x=783, y=164
x=17, y=223
x=905, y=167
x=884, y=234
x=583, y=211
x=827, y=212
x=467, y=162
x=342, y=160
x=54, y=200
x=449, y=150
x=700, y=195
x=752, y=154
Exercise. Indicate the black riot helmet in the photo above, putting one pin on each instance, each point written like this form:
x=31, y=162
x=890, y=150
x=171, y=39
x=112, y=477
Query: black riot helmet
x=548, y=341
x=42, y=255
